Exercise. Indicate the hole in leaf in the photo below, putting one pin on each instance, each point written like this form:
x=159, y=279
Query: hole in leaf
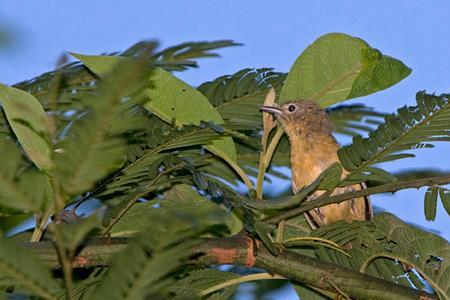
x=434, y=262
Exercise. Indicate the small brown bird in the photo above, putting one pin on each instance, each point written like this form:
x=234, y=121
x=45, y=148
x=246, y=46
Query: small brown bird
x=313, y=149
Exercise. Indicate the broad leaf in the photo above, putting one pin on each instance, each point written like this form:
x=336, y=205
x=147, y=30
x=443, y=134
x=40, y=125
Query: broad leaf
x=29, y=122
x=337, y=67
x=176, y=102
x=172, y=100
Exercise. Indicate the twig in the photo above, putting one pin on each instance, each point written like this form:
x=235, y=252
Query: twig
x=389, y=187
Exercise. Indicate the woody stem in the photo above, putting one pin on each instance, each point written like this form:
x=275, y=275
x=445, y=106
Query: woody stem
x=241, y=250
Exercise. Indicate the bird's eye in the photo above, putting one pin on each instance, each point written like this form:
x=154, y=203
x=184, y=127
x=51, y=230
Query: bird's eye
x=291, y=107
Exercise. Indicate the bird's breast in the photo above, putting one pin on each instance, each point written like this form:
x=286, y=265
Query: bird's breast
x=309, y=159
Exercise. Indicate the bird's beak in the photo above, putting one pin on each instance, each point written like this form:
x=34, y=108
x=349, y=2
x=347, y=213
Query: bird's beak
x=271, y=109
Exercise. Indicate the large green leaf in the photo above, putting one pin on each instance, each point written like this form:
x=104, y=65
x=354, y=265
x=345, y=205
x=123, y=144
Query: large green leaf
x=338, y=67
x=172, y=100
x=29, y=122
x=175, y=101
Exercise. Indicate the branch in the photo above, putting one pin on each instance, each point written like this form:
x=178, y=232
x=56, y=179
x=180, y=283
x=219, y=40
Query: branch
x=390, y=187
x=240, y=250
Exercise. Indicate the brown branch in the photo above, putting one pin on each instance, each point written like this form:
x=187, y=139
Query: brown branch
x=242, y=250
x=390, y=187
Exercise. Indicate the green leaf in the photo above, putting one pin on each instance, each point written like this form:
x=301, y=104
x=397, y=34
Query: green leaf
x=175, y=101
x=101, y=132
x=305, y=292
x=431, y=203
x=180, y=57
x=203, y=279
x=172, y=100
x=411, y=128
x=338, y=67
x=178, y=202
x=328, y=180
x=237, y=97
x=379, y=245
x=330, y=177
x=21, y=266
x=29, y=122
x=263, y=232
x=444, y=194
x=72, y=234
x=101, y=65
x=142, y=270
x=27, y=190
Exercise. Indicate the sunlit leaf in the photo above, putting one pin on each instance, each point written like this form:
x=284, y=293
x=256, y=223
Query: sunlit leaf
x=172, y=100
x=337, y=67
x=29, y=122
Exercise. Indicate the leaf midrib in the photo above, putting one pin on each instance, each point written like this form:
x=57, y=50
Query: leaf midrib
x=355, y=70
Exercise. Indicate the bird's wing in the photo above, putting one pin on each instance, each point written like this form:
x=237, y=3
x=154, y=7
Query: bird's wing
x=358, y=209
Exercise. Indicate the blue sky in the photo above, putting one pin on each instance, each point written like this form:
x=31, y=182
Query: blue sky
x=273, y=33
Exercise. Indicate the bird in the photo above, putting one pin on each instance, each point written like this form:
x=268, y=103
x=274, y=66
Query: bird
x=314, y=149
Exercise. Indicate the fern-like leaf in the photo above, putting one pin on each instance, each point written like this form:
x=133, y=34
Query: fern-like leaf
x=145, y=166
x=379, y=246
x=60, y=90
x=142, y=270
x=25, y=270
x=199, y=280
x=95, y=145
x=181, y=57
x=237, y=97
x=411, y=128
x=354, y=118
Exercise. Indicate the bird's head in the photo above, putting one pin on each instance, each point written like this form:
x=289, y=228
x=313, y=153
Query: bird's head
x=301, y=117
